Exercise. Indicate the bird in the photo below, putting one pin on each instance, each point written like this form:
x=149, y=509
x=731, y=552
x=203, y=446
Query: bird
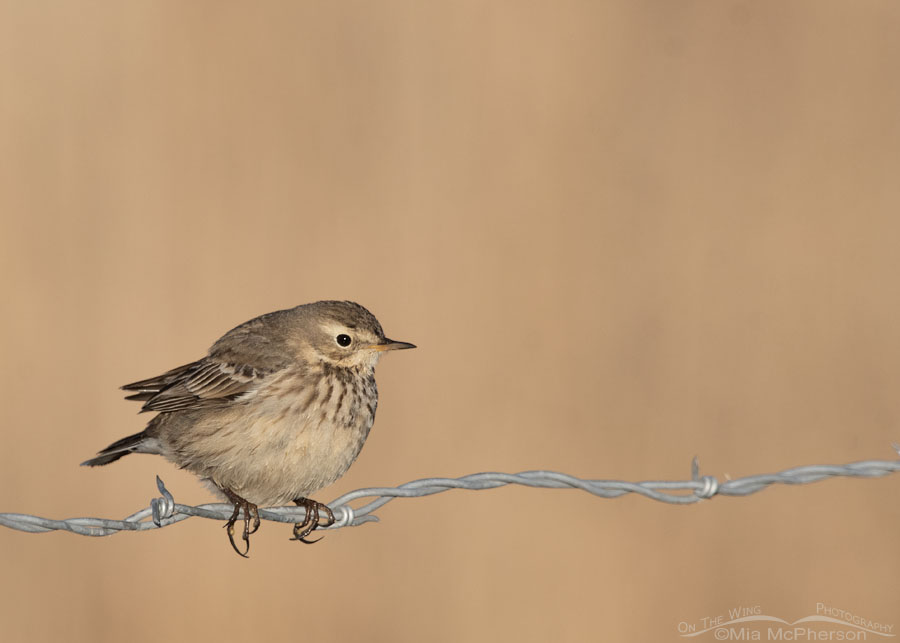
x=279, y=408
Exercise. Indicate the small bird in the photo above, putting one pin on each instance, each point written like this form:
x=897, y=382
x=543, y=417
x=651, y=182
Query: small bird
x=279, y=408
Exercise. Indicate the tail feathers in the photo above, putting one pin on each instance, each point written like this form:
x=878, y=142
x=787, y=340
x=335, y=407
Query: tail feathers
x=132, y=444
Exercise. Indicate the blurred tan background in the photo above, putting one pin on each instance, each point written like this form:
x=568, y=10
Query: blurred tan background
x=621, y=233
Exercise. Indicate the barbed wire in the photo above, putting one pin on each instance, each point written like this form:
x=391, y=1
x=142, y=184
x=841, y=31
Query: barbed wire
x=164, y=511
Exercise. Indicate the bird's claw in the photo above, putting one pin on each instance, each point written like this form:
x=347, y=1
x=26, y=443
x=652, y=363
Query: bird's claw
x=250, y=510
x=254, y=511
x=311, y=521
x=230, y=529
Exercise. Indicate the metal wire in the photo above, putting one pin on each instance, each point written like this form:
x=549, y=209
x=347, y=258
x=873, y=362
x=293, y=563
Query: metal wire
x=165, y=511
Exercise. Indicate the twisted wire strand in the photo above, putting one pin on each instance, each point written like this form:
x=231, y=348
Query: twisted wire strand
x=164, y=511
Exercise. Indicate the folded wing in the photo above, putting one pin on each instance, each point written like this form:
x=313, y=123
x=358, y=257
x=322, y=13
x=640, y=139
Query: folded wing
x=201, y=384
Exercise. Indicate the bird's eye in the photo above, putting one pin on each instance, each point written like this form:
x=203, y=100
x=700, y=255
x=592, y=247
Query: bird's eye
x=343, y=340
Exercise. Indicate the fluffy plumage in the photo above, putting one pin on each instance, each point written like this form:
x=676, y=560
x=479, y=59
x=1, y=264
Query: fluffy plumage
x=278, y=408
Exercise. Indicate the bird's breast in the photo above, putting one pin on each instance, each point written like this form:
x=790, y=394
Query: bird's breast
x=304, y=430
x=299, y=431
x=328, y=398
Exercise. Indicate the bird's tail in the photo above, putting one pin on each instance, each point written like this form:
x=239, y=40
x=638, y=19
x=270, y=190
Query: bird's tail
x=132, y=444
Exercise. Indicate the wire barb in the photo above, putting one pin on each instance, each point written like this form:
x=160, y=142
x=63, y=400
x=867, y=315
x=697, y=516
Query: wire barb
x=165, y=511
x=710, y=486
x=164, y=507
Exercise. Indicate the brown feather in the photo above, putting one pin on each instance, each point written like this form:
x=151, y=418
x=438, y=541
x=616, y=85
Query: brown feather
x=203, y=384
x=158, y=383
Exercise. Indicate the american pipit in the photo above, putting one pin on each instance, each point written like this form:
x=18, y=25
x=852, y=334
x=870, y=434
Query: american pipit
x=278, y=409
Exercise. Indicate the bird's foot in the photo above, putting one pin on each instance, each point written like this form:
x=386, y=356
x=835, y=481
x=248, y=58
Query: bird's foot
x=250, y=510
x=304, y=529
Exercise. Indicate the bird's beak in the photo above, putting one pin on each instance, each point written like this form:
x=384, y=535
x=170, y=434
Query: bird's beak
x=390, y=345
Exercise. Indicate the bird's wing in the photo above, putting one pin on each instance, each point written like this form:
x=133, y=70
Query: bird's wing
x=150, y=387
x=202, y=384
x=236, y=364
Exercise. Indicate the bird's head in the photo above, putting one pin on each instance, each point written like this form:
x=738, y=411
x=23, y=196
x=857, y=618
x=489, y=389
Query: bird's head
x=345, y=334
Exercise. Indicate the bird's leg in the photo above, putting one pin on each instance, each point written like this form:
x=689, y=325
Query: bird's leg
x=249, y=509
x=311, y=521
